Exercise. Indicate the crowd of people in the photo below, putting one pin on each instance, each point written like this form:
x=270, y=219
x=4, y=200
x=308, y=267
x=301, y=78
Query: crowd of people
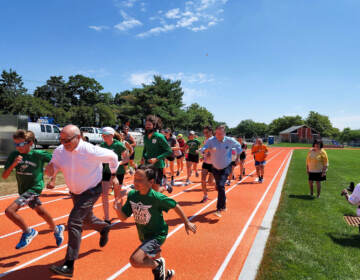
x=92, y=171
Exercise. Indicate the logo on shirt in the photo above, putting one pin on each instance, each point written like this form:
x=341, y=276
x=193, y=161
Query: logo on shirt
x=154, y=141
x=141, y=213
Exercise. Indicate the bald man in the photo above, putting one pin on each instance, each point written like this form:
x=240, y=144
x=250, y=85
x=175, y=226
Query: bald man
x=81, y=164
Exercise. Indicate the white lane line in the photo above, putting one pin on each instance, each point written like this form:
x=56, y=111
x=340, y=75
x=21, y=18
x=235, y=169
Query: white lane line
x=240, y=237
x=253, y=260
x=127, y=266
x=16, y=194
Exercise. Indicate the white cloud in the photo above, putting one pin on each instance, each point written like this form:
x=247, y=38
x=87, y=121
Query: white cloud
x=98, y=27
x=156, y=30
x=186, y=21
x=128, y=3
x=191, y=95
x=174, y=13
x=137, y=79
x=200, y=28
x=98, y=73
x=352, y=121
x=127, y=23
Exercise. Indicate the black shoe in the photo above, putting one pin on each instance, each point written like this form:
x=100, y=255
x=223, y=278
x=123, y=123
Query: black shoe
x=177, y=173
x=63, y=270
x=159, y=271
x=169, y=188
x=169, y=274
x=244, y=171
x=104, y=236
x=108, y=222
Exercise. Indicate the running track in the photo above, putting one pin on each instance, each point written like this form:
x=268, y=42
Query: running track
x=217, y=251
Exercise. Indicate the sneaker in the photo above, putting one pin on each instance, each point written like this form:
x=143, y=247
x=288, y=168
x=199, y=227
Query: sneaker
x=197, y=174
x=233, y=177
x=26, y=239
x=205, y=198
x=169, y=274
x=217, y=213
x=228, y=183
x=159, y=271
x=104, y=236
x=244, y=171
x=59, y=234
x=240, y=178
x=260, y=180
x=131, y=171
x=63, y=270
x=187, y=182
x=172, y=182
x=108, y=222
x=177, y=173
x=169, y=188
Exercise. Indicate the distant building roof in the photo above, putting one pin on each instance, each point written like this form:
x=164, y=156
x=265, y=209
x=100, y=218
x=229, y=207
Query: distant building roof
x=294, y=129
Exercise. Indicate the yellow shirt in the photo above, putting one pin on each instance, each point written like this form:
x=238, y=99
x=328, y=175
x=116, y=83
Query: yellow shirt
x=260, y=152
x=317, y=160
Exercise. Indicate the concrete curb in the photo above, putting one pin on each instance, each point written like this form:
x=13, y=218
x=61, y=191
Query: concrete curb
x=254, y=258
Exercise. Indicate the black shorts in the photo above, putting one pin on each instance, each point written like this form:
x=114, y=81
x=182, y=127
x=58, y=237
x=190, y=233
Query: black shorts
x=243, y=156
x=233, y=163
x=158, y=175
x=170, y=158
x=151, y=247
x=107, y=176
x=207, y=166
x=180, y=156
x=28, y=198
x=132, y=157
x=193, y=158
x=316, y=176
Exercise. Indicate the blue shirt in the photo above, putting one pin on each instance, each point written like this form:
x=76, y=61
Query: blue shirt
x=221, y=157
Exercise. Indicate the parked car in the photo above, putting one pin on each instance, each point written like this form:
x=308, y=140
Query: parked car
x=92, y=134
x=45, y=134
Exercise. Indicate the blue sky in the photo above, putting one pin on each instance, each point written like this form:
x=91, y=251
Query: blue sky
x=257, y=59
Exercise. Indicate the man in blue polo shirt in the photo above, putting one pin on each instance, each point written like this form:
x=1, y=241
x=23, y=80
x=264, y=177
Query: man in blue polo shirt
x=220, y=147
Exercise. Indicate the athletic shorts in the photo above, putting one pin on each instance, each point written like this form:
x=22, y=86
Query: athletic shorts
x=233, y=163
x=28, y=198
x=242, y=156
x=151, y=247
x=170, y=158
x=207, y=166
x=158, y=175
x=193, y=158
x=107, y=176
x=132, y=157
x=259, y=163
x=316, y=176
x=180, y=156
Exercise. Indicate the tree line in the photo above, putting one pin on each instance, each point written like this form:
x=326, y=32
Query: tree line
x=81, y=100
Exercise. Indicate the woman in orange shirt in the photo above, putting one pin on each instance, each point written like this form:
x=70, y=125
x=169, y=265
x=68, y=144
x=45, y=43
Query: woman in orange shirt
x=260, y=152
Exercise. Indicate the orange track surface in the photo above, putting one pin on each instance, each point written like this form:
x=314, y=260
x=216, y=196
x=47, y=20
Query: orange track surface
x=198, y=256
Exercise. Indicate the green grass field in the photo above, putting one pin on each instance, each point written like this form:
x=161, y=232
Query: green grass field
x=293, y=145
x=309, y=238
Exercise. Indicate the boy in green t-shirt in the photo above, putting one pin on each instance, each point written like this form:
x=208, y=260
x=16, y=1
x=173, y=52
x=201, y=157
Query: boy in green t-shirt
x=192, y=158
x=147, y=206
x=29, y=165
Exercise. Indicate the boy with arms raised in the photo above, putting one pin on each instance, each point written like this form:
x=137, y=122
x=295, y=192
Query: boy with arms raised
x=29, y=165
x=147, y=206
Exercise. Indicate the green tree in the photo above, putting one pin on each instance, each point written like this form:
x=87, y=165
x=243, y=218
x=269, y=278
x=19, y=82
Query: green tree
x=82, y=116
x=106, y=113
x=320, y=123
x=250, y=129
x=198, y=117
x=83, y=91
x=55, y=91
x=11, y=87
x=280, y=124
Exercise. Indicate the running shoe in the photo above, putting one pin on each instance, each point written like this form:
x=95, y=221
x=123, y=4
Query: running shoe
x=217, y=213
x=197, y=174
x=187, y=182
x=169, y=188
x=169, y=274
x=228, y=182
x=205, y=198
x=172, y=182
x=159, y=271
x=59, y=234
x=63, y=270
x=26, y=239
x=177, y=173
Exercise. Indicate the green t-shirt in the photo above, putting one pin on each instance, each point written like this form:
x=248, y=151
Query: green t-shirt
x=156, y=147
x=147, y=210
x=194, y=145
x=29, y=172
x=118, y=148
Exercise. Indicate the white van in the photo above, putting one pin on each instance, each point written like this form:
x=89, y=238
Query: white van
x=92, y=134
x=45, y=134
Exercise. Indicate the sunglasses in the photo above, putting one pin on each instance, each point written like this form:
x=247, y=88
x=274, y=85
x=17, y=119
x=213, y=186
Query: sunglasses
x=65, y=141
x=22, y=144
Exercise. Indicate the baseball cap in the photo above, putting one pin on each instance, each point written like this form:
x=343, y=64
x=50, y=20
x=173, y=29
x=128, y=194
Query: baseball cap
x=108, y=130
x=192, y=132
x=180, y=136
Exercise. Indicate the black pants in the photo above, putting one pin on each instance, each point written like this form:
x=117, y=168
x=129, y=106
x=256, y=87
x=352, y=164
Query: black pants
x=220, y=176
x=82, y=213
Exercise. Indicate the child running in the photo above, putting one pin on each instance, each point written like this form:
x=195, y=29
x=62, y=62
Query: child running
x=242, y=157
x=118, y=148
x=147, y=206
x=207, y=164
x=180, y=154
x=192, y=160
x=260, y=151
x=29, y=165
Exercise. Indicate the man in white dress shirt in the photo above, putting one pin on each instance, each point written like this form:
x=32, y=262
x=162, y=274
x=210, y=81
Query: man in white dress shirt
x=81, y=164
